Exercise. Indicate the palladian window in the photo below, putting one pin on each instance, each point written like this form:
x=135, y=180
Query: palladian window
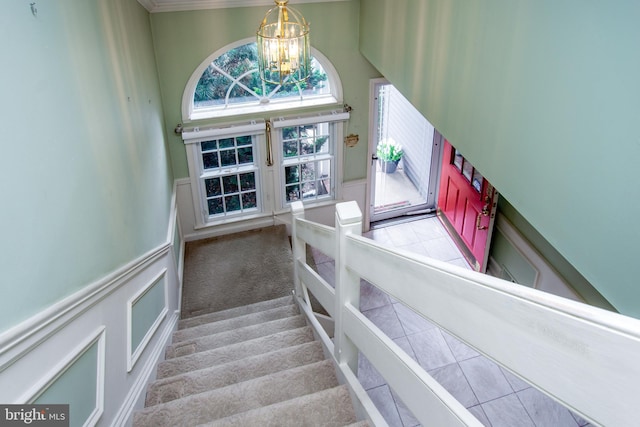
x=252, y=167
x=228, y=83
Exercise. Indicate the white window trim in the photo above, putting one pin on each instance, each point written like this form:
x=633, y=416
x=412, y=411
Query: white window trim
x=192, y=138
x=189, y=115
x=338, y=118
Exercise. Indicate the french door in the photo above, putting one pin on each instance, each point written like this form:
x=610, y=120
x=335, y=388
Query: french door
x=466, y=205
x=248, y=170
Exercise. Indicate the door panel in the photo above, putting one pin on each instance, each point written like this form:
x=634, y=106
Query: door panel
x=466, y=205
x=469, y=231
x=452, y=196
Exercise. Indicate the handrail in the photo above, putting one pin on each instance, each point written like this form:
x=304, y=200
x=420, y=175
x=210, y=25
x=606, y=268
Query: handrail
x=582, y=356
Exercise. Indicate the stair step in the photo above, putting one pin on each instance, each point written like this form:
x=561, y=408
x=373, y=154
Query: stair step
x=327, y=408
x=199, y=381
x=236, y=322
x=218, y=356
x=234, y=312
x=221, y=339
x=237, y=398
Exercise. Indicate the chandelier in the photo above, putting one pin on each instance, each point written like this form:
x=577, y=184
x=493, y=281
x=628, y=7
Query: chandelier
x=283, y=46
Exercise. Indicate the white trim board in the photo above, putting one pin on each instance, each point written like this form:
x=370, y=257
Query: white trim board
x=547, y=278
x=133, y=354
x=22, y=338
x=63, y=366
x=155, y=6
x=136, y=395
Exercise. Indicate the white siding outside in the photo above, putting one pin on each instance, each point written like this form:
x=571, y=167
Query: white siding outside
x=400, y=121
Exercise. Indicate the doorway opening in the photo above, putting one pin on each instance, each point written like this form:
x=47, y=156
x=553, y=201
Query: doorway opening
x=409, y=186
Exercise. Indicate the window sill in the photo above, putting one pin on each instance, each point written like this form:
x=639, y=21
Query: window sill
x=232, y=220
x=261, y=108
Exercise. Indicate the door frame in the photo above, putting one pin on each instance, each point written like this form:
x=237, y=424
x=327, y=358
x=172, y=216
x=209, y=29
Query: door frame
x=435, y=163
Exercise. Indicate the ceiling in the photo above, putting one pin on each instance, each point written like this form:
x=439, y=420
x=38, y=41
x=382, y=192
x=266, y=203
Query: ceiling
x=179, y=5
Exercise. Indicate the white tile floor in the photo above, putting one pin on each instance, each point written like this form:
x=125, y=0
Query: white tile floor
x=496, y=397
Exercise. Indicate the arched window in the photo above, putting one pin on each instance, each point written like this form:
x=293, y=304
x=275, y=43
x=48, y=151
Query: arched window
x=227, y=83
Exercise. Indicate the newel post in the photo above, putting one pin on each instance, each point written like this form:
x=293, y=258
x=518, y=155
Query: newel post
x=348, y=221
x=298, y=246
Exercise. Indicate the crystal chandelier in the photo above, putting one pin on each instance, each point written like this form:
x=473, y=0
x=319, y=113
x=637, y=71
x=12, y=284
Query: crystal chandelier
x=283, y=46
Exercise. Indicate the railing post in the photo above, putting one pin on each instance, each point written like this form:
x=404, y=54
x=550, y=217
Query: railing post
x=348, y=221
x=299, y=248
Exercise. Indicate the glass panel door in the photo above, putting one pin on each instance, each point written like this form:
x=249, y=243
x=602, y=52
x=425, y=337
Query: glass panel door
x=401, y=184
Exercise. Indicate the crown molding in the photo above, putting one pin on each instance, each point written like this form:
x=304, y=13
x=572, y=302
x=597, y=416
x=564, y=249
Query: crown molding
x=155, y=6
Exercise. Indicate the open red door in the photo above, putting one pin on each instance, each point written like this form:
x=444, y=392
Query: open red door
x=466, y=206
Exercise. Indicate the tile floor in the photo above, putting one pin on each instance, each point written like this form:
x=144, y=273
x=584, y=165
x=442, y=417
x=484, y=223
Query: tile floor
x=496, y=397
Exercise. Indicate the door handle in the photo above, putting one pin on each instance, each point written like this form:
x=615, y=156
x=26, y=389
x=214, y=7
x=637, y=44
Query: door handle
x=478, y=220
x=269, y=146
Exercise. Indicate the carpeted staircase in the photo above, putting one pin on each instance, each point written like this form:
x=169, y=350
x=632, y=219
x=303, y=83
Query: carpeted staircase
x=256, y=365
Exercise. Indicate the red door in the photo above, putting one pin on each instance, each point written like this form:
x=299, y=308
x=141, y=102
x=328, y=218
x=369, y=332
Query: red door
x=466, y=204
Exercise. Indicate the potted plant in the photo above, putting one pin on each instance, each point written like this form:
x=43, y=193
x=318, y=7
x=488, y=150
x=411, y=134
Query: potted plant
x=389, y=153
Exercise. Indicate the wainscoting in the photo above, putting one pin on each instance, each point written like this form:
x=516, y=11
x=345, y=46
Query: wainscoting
x=97, y=349
x=323, y=213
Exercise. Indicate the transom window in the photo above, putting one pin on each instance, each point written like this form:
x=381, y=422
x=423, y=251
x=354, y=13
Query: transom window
x=228, y=83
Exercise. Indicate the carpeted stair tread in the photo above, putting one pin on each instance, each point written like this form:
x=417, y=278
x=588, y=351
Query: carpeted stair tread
x=327, y=408
x=236, y=322
x=224, y=402
x=176, y=387
x=210, y=342
x=233, y=352
x=234, y=312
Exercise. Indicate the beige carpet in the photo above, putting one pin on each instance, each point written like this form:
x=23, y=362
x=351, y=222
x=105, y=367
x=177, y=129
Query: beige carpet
x=236, y=270
x=252, y=366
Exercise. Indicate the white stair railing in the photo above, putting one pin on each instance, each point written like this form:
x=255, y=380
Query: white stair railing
x=583, y=357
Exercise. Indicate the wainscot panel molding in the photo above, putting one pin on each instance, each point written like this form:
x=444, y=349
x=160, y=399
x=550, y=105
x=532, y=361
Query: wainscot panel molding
x=157, y=285
x=321, y=212
x=358, y=190
x=74, y=390
x=24, y=337
x=546, y=278
x=135, y=397
x=67, y=336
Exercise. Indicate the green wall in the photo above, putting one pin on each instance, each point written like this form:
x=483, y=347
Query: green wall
x=184, y=39
x=85, y=178
x=543, y=97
